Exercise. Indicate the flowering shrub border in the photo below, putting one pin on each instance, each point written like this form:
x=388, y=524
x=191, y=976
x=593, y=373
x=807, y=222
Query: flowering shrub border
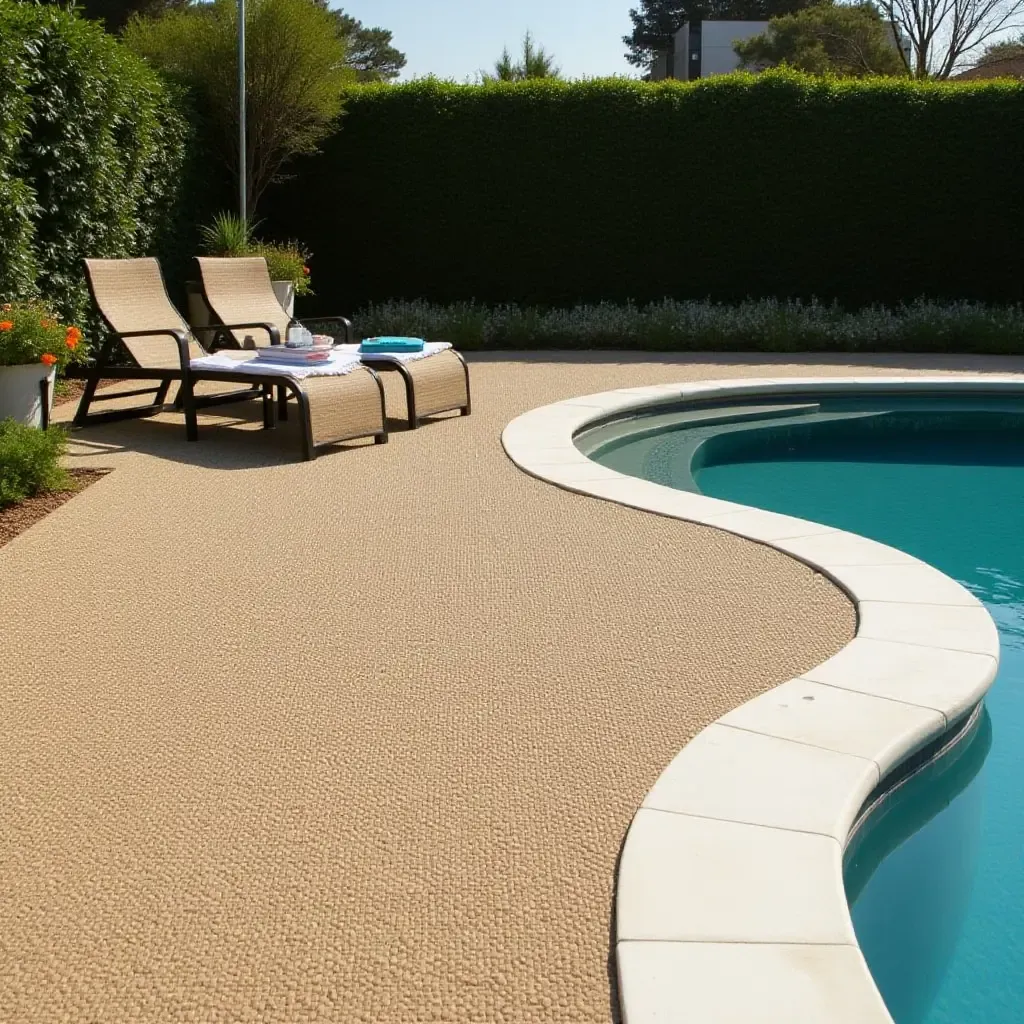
x=766, y=325
x=30, y=333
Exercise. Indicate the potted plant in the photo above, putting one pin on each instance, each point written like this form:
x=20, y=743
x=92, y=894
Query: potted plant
x=289, y=270
x=34, y=345
x=231, y=235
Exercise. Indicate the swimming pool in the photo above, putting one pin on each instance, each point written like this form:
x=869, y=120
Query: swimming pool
x=935, y=878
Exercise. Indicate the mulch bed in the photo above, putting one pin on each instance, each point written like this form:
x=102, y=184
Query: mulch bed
x=68, y=391
x=16, y=518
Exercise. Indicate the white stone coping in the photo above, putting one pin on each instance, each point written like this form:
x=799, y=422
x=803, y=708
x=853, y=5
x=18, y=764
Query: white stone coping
x=730, y=904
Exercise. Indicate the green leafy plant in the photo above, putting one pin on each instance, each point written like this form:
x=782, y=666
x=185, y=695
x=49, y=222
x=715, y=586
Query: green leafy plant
x=30, y=461
x=227, y=234
x=231, y=235
x=31, y=333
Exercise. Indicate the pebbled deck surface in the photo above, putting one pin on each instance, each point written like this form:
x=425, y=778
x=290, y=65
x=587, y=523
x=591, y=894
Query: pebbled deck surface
x=359, y=739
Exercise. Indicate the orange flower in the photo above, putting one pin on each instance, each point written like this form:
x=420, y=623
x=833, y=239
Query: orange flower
x=5, y=325
x=45, y=324
x=305, y=270
x=73, y=336
x=47, y=360
x=71, y=343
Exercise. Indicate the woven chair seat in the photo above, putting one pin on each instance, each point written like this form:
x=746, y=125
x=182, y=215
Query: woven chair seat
x=343, y=407
x=440, y=383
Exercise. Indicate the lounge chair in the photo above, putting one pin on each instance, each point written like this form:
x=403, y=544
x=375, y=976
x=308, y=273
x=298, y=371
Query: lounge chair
x=133, y=303
x=238, y=289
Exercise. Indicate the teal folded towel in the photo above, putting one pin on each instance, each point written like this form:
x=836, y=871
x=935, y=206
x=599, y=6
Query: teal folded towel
x=391, y=345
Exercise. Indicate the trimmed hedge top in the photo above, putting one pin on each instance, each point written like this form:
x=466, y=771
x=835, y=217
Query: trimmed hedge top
x=551, y=193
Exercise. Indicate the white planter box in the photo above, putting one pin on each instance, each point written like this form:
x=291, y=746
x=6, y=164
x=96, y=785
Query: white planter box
x=20, y=394
x=285, y=292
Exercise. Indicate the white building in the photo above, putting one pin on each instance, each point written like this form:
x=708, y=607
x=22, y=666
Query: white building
x=705, y=48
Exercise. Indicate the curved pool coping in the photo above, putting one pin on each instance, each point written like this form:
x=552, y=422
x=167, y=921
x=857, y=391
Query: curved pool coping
x=730, y=904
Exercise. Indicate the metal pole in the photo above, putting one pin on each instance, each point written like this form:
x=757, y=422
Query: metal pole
x=242, y=161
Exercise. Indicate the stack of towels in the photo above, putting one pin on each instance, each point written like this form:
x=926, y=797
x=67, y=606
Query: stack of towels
x=317, y=353
x=300, y=347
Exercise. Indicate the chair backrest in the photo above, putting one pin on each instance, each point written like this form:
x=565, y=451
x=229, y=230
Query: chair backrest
x=238, y=291
x=131, y=296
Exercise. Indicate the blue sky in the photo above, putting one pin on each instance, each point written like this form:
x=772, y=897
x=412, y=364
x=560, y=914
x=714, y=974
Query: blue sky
x=457, y=38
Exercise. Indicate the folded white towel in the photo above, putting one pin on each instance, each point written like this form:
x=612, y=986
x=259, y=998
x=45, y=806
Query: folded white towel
x=339, y=363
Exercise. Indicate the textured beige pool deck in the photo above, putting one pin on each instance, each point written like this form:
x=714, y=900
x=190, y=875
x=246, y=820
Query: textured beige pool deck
x=360, y=739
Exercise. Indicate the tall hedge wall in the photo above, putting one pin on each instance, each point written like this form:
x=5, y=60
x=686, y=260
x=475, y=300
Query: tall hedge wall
x=777, y=185
x=91, y=152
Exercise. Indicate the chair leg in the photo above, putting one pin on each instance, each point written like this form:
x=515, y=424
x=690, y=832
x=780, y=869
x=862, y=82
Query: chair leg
x=269, y=411
x=467, y=408
x=382, y=437
x=410, y=399
x=188, y=401
x=282, y=402
x=82, y=413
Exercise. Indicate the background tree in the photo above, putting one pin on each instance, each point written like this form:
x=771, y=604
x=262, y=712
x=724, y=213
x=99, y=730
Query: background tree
x=534, y=62
x=655, y=22
x=115, y=14
x=944, y=34
x=295, y=77
x=1003, y=50
x=852, y=41
x=368, y=51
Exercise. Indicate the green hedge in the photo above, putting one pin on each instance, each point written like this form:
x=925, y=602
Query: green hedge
x=17, y=262
x=554, y=193
x=91, y=149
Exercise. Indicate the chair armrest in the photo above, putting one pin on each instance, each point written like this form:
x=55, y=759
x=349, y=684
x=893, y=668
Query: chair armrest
x=345, y=323
x=180, y=337
x=275, y=334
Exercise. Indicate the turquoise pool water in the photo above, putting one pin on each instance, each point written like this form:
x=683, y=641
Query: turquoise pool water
x=936, y=877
